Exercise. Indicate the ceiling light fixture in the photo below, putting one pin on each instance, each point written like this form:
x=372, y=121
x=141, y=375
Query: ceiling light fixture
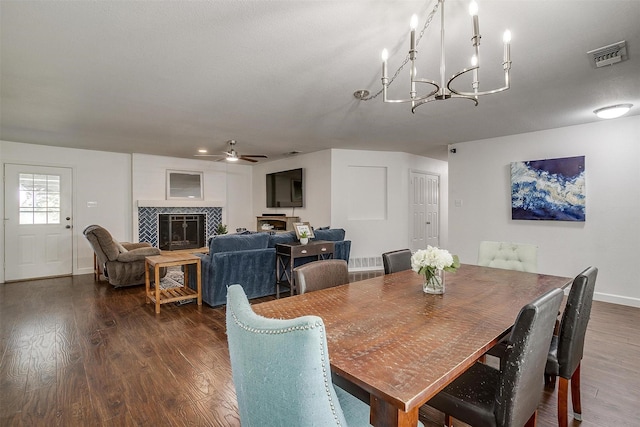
x=441, y=90
x=613, y=111
x=232, y=155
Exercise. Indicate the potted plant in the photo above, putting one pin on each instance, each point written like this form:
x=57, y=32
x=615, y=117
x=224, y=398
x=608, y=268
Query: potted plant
x=304, y=238
x=221, y=229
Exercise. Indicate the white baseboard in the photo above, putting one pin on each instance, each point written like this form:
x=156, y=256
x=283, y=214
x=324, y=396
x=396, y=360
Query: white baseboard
x=617, y=299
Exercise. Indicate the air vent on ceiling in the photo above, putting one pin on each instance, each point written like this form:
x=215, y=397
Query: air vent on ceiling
x=609, y=55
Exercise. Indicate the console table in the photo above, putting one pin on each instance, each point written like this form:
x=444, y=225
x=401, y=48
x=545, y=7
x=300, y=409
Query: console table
x=287, y=253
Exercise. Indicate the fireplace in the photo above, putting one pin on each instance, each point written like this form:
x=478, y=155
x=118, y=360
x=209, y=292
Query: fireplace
x=149, y=212
x=181, y=231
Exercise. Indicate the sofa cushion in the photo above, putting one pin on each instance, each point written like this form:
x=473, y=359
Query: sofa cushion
x=280, y=238
x=332, y=235
x=238, y=242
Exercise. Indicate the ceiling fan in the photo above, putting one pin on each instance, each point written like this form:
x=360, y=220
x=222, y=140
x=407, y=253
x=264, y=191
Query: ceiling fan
x=231, y=155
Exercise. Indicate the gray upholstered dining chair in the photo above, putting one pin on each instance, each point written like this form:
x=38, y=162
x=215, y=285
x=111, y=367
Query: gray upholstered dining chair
x=565, y=353
x=394, y=261
x=509, y=256
x=281, y=372
x=486, y=396
x=320, y=274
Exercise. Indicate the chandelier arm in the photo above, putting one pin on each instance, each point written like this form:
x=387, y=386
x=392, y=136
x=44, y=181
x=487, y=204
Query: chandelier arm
x=454, y=96
x=418, y=98
x=478, y=93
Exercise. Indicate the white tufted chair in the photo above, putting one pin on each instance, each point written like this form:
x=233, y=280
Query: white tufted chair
x=509, y=256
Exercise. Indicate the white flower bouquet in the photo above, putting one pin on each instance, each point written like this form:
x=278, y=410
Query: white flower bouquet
x=431, y=262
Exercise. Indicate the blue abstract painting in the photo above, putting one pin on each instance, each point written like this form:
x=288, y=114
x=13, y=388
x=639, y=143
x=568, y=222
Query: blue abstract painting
x=551, y=189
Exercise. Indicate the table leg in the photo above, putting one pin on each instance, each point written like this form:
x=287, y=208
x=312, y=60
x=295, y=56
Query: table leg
x=147, y=285
x=156, y=280
x=199, y=281
x=292, y=279
x=277, y=276
x=385, y=414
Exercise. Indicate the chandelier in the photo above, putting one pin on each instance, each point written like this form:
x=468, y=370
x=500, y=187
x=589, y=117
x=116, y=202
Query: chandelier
x=442, y=89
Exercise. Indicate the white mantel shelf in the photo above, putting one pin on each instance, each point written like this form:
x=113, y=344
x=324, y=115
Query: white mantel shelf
x=175, y=203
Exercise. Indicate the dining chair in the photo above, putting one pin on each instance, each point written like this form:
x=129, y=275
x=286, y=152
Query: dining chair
x=395, y=261
x=280, y=370
x=509, y=256
x=565, y=353
x=320, y=274
x=486, y=396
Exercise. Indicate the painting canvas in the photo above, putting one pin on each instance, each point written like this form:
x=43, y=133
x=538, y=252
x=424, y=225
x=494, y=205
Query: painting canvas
x=550, y=189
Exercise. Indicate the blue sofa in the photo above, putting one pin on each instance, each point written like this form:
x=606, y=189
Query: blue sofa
x=250, y=261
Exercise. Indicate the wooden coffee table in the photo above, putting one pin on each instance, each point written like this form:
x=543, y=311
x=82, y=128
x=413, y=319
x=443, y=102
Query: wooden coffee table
x=163, y=296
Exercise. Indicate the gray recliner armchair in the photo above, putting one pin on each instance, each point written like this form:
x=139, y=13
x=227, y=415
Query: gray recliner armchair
x=122, y=263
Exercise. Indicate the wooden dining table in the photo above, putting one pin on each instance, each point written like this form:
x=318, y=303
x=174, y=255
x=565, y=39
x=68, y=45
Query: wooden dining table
x=402, y=346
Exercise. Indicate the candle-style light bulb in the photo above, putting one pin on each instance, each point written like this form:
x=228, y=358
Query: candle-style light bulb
x=412, y=47
x=385, y=56
x=506, y=38
x=473, y=8
x=414, y=22
x=473, y=11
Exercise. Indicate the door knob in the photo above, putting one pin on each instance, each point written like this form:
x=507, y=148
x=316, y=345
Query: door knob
x=68, y=226
x=68, y=218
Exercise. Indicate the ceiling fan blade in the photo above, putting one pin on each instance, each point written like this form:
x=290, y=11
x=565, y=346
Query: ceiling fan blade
x=260, y=156
x=208, y=155
x=248, y=159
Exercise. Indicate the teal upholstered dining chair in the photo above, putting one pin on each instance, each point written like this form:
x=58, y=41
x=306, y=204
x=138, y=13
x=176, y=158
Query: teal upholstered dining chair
x=509, y=256
x=281, y=371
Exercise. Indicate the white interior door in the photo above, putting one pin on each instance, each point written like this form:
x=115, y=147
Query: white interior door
x=425, y=210
x=37, y=222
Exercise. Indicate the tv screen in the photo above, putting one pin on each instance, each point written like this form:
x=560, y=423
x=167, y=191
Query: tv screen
x=285, y=189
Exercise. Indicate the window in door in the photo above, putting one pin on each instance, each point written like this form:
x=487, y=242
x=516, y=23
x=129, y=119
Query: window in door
x=39, y=199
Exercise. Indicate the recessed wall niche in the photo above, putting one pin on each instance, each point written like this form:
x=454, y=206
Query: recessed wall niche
x=367, y=193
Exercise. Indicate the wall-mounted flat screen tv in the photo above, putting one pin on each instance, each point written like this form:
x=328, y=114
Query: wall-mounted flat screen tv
x=285, y=189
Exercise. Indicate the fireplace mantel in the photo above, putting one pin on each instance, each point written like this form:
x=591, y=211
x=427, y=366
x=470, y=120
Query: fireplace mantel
x=173, y=203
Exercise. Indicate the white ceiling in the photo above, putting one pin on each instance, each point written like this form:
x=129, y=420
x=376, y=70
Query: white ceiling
x=169, y=77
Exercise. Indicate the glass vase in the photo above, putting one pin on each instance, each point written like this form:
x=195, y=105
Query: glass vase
x=434, y=282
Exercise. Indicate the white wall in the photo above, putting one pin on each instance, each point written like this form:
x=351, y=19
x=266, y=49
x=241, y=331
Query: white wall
x=327, y=194
x=114, y=182
x=372, y=237
x=227, y=185
x=98, y=176
x=609, y=239
x=316, y=177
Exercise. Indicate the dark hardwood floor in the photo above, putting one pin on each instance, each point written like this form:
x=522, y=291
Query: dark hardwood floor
x=78, y=353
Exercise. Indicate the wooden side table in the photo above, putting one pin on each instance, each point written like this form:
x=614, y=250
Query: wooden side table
x=163, y=296
x=286, y=254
